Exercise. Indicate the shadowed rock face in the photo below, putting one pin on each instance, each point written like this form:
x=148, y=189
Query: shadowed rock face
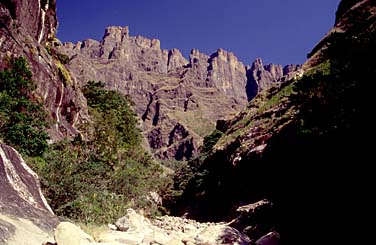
x=22, y=204
x=261, y=77
x=27, y=27
x=289, y=144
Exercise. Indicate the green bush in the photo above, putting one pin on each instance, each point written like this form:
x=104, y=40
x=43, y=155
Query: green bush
x=95, y=179
x=22, y=118
x=211, y=139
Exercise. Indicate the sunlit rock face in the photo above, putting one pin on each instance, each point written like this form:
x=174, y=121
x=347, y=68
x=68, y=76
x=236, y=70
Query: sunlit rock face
x=177, y=100
x=22, y=204
x=28, y=28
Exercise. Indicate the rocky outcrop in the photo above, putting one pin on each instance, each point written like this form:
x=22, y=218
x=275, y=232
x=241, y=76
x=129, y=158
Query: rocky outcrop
x=25, y=216
x=27, y=28
x=228, y=74
x=177, y=100
x=344, y=6
x=37, y=18
x=261, y=77
x=67, y=233
x=175, y=60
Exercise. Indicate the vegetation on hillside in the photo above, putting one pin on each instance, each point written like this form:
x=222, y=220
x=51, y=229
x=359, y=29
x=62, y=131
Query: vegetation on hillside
x=309, y=126
x=22, y=117
x=97, y=178
x=99, y=174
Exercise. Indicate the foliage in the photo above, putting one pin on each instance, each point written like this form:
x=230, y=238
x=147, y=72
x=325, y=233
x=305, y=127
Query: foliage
x=95, y=179
x=211, y=139
x=22, y=118
x=63, y=73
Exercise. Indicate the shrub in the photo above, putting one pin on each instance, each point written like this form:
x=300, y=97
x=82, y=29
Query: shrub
x=94, y=180
x=22, y=118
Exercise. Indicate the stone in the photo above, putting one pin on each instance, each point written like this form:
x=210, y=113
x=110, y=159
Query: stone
x=221, y=234
x=112, y=227
x=173, y=97
x=174, y=242
x=67, y=233
x=119, y=237
x=228, y=74
x=272, y=238
x=171, y=230
x=261, y=77
x=25, y=216
x=28, y=28
x=253, y=219
x=132, y=222
x=175, y=60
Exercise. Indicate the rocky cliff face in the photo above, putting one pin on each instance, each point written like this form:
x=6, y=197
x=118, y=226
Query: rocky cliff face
x=177, y=100
x=289, y=144
x=261, y=77
x=25, y=216
x=27, y=28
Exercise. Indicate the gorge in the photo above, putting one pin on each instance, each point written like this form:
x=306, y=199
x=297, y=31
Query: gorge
x=267, y=154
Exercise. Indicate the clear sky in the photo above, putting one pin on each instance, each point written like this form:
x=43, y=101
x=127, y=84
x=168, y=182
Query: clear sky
x=278, y=31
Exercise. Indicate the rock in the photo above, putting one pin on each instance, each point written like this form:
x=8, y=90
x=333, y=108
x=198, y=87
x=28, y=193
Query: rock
x=261, y=77
x=252, y=208
x=154, y=197
x=157, y=236
x=287, y=161
x=344, y=6
x=28, y=28
x=112, y=227
x=132, y=222
x=119, y=237
x=198, y=62
x=174, y=242
x=221, y=234
x=25, y=216
x=175, y=60
x=272, y=238
x=39, y=21
x=228, y=74
x=67, y=233
x=173, y=97
x=254, y=219
x=170, y=230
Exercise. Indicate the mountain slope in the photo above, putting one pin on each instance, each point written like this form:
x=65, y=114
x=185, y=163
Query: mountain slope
x=298, y=143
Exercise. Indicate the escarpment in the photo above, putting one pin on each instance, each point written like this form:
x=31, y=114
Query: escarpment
x=169, y=92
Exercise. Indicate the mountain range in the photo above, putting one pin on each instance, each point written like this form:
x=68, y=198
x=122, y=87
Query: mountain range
x=208, y=134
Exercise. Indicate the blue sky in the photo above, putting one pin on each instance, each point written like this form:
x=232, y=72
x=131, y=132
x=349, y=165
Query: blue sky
x=278, y=31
